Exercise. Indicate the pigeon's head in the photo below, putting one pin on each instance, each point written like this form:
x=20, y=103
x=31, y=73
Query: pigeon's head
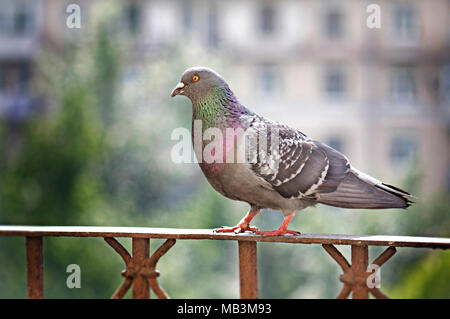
x=197, y=82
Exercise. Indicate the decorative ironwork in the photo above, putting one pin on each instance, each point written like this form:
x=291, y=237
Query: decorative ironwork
x=355, y=276
x=141, y=274
x=140, y=269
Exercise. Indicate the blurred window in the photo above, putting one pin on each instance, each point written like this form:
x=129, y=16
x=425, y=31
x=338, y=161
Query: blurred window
x=21, y=19
x=2, y=79
x=269, y=80
x=24, y=76
x=267, y=18
x=16, y=17
x=14, y=77
x=445, y=83
x=403, y=85
x=405, y=23
x=448, y=179
x=336, y=142
x=133, y=18
x=213, y=27
x=403, y=149
x=186, y=15
x=333, y=24
x=8, y=77
x=335, y=82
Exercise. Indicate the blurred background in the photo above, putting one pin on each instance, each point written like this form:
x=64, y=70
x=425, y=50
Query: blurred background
x=86, y=122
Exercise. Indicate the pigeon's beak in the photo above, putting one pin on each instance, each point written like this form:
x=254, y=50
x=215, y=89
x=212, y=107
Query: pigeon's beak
x=177, y=90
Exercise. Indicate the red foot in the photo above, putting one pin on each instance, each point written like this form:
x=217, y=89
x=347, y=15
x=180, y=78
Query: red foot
x=239, y=228
x=277, y=232
x=242, y=226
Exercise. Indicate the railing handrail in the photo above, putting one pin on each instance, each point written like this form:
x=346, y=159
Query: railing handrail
x=140, y=268
x=182, y=233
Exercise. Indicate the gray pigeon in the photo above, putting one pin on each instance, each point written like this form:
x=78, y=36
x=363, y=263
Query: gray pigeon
x=295, y=173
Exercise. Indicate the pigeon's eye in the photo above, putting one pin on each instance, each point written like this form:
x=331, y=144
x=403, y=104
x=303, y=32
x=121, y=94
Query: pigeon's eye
x=195, y=78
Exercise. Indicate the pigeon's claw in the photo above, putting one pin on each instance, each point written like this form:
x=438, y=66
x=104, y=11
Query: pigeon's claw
x=278, y=232
x=253, y=228
x=242, y=226
x=282, y=230
x=239, y=228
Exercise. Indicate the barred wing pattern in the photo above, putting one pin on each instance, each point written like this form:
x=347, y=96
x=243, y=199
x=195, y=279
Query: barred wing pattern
x=301, y=168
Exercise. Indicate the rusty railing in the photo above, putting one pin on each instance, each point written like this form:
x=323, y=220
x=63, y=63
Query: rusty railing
x=140, y=269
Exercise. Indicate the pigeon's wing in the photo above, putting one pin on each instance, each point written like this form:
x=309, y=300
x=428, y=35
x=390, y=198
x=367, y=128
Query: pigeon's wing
x=359, y=190
x=303, y=168
x=299, y=167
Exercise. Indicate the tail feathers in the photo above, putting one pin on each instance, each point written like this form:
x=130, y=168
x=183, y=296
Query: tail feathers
x=358, y=190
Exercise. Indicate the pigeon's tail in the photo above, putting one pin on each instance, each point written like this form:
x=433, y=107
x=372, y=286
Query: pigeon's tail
x=358, y=190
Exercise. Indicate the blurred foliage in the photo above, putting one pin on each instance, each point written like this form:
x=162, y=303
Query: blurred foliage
x=98, y=155
x=427, y=278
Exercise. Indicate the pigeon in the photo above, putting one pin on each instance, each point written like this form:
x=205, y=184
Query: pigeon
x=290, y=174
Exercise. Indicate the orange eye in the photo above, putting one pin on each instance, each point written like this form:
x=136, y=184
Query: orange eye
x=195, y=78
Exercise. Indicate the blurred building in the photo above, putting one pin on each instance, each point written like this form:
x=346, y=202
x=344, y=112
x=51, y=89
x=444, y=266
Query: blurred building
x=20, y=34
x=381, y=96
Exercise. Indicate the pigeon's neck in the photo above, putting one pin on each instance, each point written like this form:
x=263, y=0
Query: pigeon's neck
x=219, y=108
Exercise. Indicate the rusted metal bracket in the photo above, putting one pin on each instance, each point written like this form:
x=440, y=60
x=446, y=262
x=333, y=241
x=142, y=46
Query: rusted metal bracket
x=355, y=276
x=35, y=267
x=248, y=269
x=140, y=268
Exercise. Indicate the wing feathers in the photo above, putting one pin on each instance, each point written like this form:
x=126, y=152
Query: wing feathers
x=313, y=170
x=354, y=192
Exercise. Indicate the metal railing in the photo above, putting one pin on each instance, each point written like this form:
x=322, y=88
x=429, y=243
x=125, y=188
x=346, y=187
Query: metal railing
x=141, y=274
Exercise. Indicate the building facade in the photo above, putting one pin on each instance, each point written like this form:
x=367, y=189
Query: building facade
x=380, y=95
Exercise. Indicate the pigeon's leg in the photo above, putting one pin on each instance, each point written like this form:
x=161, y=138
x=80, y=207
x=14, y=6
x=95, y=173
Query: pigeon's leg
x=243, y=225
x=282, y=230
